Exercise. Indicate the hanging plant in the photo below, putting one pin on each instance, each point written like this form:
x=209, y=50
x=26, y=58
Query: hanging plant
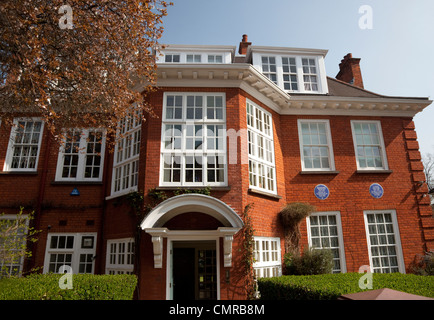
x=291, y=216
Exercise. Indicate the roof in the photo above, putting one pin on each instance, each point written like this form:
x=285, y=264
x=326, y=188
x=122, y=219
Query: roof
x=343, y=89
x=382, y=294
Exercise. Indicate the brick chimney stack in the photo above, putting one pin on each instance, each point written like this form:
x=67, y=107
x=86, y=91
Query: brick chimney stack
x=244, y=44
x=349, y=71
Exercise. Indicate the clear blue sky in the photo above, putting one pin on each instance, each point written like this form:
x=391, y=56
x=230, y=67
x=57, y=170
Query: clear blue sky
x=396, y=53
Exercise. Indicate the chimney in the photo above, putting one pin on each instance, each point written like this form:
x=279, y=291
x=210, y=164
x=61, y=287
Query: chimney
x=244, y=44
x=349, y=71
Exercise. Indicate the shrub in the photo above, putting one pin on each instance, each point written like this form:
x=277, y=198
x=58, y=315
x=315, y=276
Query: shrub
x=331, y=286
x=424, y=265
x=291, y=216
x=85, y=287
x=312, y=261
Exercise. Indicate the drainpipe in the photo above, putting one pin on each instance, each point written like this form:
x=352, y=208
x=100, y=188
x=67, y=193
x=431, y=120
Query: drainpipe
x=42, y=182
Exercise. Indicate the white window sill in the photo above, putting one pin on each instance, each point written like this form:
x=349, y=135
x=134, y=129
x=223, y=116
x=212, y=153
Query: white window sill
x=264, y=193
x=374, y=171
x=319, y=172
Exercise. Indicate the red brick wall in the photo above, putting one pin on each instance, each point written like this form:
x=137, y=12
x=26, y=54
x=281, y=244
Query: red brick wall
x=349, y=192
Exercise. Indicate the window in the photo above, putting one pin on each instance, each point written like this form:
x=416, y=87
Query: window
x=120, y=256
x=76, y=250
x=269, y=68
x=369, y=145
x=175, y=58
x=310, y=77
x=194, y=58
x=384, y=245
x=262, y=174
x=325, y=232
x=267, y=257
x=289, y=69
x=126, y=155
x=193, y=148
x=215, y=58
x=315, y=145
x=81, y=156
x=12, y=243
x=24, y=145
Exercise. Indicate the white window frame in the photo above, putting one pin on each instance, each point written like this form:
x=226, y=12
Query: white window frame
x=340, y=247
x=179, y=148
x=329, y=144
x=320, y=71
x=380, y=145
x=20, y=263
x=82, y=157
x=258, y=154
x=126, y=155
x=11, y=145
x=397, y=240
x=76, y=251
x=267, y=257
x=120, y=256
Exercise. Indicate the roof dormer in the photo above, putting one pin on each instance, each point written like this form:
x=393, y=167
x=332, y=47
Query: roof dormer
x=196, y=54
x=292, y=69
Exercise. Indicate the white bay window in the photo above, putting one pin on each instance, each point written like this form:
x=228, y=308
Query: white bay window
x=262, y=174
x=126, y=156
x=193, y=148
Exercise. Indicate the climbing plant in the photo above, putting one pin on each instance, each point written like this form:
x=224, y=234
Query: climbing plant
x=248, y=249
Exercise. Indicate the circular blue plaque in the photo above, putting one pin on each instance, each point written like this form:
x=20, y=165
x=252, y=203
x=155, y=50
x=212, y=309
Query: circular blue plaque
x=376, y=190
x=321, y=192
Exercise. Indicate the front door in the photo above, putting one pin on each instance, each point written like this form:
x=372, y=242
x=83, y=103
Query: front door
x=194, y=270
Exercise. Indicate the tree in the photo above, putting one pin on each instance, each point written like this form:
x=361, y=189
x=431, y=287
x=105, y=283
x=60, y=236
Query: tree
x=15, y=234
x=428, y=165
x=78, y=63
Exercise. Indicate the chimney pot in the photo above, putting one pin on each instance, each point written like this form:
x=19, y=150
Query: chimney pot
x=244, y=44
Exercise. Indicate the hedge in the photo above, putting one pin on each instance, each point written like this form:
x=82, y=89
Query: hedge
x=84, y=287
x=331, y=286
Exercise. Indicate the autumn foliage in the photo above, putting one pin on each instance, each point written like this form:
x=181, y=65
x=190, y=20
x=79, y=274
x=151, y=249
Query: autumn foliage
x=77, y=63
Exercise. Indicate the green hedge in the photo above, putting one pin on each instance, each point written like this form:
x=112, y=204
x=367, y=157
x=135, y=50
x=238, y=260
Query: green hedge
x=331, y=286
x=84, y=287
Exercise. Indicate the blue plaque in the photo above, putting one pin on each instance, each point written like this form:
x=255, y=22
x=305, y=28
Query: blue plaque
x=376, y=190
x=321, y=192
x=75, y=192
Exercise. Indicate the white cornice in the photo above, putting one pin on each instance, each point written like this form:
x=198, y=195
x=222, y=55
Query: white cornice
x=247, y=78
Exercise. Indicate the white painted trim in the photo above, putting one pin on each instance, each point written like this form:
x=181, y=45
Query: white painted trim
x=75, y=251
x=184, y=236
x=81, y=157
x=191, y=203
x=329, y=144
x=9, y=153
x=382, y=145
x=340, y=235
x=399, y=254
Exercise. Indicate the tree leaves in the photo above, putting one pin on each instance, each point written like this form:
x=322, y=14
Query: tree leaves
x=86, y=76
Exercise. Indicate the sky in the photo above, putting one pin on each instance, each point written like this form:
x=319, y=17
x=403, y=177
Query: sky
x=393, y=38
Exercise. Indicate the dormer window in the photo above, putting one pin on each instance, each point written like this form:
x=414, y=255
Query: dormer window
x=310, y=78
x=293, y=70
x=289, y=69
x=175, y=58
x=194, y=58
x=215, y=58
x=269, y=68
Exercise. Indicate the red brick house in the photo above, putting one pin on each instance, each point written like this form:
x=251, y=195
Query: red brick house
x=263, y=126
